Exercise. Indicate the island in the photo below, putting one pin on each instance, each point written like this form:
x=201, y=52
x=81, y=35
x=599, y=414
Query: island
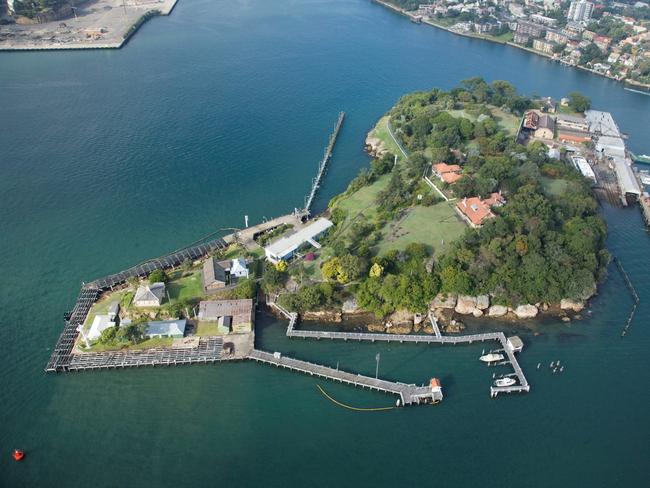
x=478, y=201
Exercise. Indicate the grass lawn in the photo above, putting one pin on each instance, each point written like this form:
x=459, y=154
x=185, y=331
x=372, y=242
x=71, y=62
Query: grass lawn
x=146, y=344
x=555, y=187
x=428, y=225
x=207, y=329
x=381, y=132
x=505, y=120
x=101, y=307
x=186, y=287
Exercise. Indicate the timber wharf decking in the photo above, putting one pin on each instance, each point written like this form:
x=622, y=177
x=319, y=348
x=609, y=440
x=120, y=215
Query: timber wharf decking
x=437, y=338
x=208, y=351
x=165, y=262
x=315, y=184
x=409, y=394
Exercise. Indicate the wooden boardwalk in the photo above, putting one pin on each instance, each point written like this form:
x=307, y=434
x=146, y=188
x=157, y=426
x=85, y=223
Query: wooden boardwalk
x=409, y=394
x=437, y=338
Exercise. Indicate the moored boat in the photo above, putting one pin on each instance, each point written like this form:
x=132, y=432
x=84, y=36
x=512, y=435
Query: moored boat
x=491, y=357
x=505, y=381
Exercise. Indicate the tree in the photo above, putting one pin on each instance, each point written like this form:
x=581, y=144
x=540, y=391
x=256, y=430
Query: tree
x=158, y=276
x=281, y=266
x=376, y=270
x=579, y=102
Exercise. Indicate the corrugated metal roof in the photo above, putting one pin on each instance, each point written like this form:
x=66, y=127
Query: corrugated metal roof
x=287, y=245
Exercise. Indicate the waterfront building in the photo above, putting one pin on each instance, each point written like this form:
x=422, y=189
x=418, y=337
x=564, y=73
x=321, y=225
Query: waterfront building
x=149, y=295
x=166, y=328
x=580, y=11
x=530, y=29
x=285, y=247
x=234, y=316
x=543, y=46
x=99, y=325
x=475, y=211
x=217, y=275
x=515, y=343
x=583, y=166
x=113, y=310
x=558, y=37
x=572, y=123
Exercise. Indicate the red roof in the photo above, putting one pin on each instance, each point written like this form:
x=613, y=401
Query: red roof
x=477, y=210
x=450, y=177
x=442, y=168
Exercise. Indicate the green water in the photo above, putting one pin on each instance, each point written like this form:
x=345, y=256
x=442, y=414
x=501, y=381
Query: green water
x=220, y=110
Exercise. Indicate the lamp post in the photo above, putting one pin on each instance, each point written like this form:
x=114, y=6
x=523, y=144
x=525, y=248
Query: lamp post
x=377, y=357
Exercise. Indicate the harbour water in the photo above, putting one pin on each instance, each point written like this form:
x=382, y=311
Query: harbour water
x=220, y=110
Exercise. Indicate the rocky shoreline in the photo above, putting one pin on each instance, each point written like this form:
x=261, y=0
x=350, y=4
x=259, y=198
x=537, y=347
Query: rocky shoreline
x=449, y=311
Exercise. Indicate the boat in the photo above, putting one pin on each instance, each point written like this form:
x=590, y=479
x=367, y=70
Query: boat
x=491, y=357
x=641, y=158
x=505, y=381
x=18, y=455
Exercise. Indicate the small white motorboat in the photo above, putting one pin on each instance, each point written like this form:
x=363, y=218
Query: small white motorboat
x=505, y=382
x=491, y=357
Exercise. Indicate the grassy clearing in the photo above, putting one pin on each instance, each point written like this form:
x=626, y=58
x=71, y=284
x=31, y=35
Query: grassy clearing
x=146, y=344
x=186, y=287
x=207, y=329
x=505, y=120
x=381, y=132
x=101, y=307
x=428, y=225
x=555, y=187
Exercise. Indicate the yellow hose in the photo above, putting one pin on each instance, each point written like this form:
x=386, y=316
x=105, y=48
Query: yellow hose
x=378, y=409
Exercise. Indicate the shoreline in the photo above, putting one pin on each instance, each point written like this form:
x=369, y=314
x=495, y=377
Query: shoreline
x=126, y=28
x=405, y=13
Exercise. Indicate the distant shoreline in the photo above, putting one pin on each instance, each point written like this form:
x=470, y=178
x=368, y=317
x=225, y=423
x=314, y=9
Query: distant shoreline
x=405, y=13
x=126, y=27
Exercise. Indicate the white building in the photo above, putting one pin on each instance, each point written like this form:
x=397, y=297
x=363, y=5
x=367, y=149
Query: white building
x=99, y=325
x=580, y=11
x=239, y=268
x=149, y=295
x=284, y=248
x=584, y=167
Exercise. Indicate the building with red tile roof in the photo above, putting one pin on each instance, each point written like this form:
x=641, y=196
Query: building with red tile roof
x=476, y=210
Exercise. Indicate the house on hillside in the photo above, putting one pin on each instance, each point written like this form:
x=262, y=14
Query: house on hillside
x=449, y=173
x=219, y=274
x=149, y=295
x=234, y=316
x=475, y=211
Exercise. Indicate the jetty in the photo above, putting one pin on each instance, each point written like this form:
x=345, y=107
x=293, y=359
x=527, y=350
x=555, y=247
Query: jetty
x=437, y=338
x=315, y=184
x=409, y=394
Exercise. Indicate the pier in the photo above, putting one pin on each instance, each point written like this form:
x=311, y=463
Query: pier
x=409, y=394
x=437, y=338
x=315, y=184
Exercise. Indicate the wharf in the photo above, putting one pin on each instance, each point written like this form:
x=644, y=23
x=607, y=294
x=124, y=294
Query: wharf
x=409, y=394
x=323, y=165
x=437, y=338
x=209, y=350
